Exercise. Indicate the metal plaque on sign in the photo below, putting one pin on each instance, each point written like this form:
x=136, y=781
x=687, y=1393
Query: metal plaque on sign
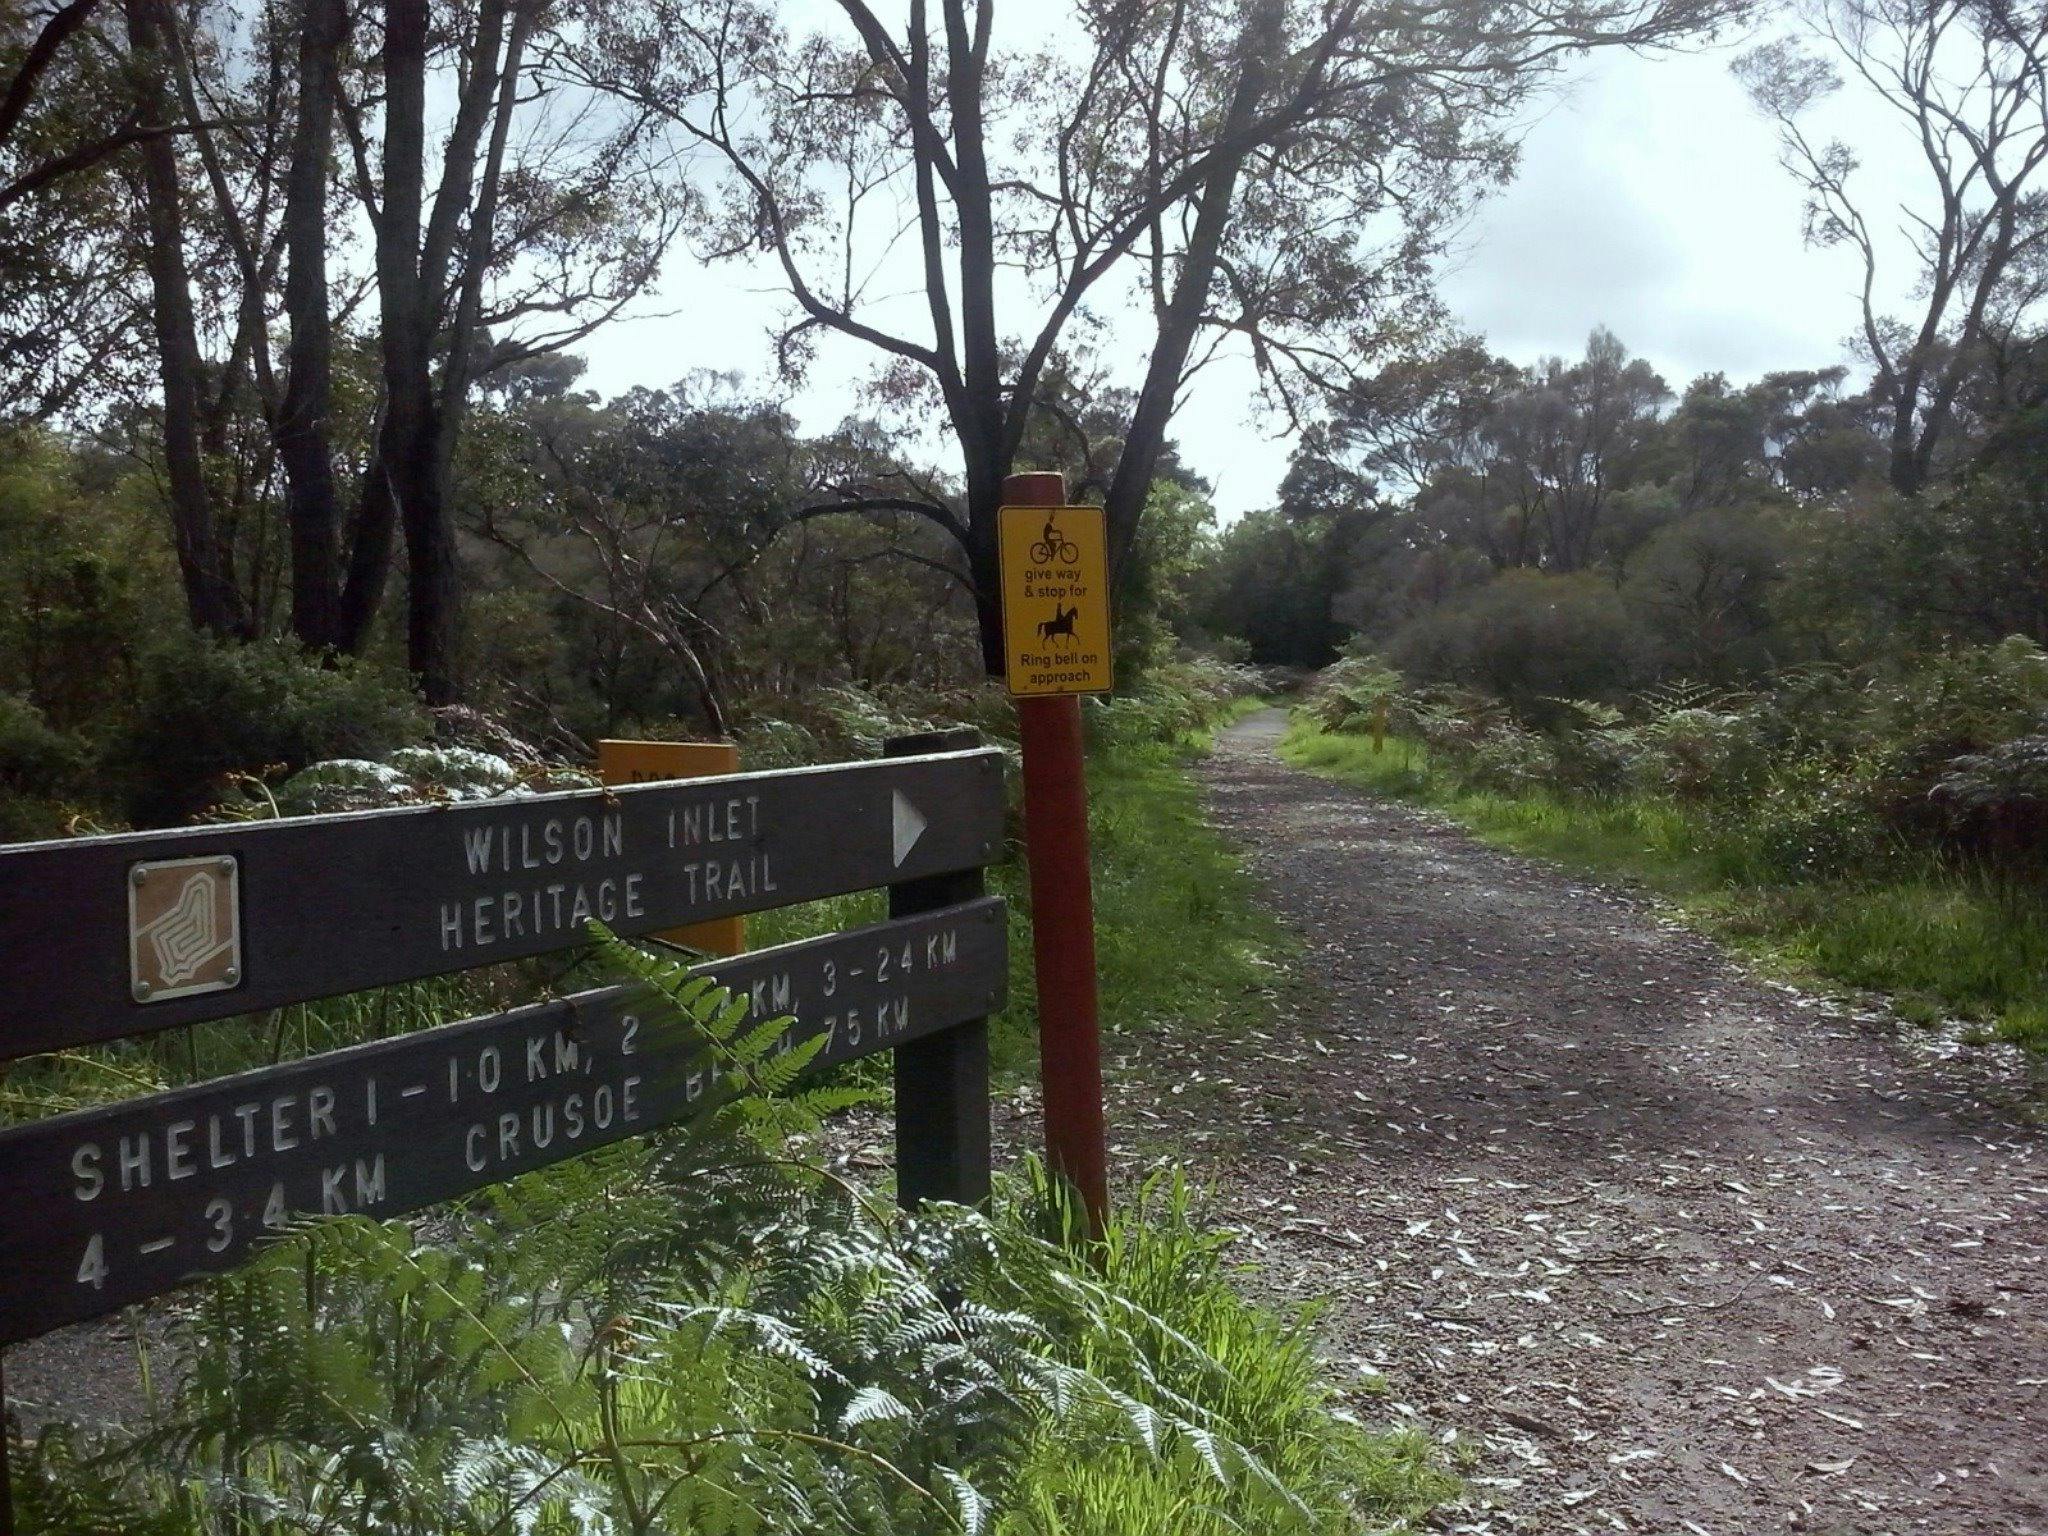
x=184, y=927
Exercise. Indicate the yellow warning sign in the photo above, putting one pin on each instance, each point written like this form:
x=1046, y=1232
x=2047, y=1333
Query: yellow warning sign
x=648, y=762
x=1055, y=566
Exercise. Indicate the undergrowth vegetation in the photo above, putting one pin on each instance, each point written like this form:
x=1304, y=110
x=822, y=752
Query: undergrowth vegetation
x=706, y=1331
x=1880, y=828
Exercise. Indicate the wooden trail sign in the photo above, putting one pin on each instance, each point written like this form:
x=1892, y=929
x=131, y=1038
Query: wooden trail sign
x=110, y=1205
x=1055, y=578
x=106, y=937
x=317, y=906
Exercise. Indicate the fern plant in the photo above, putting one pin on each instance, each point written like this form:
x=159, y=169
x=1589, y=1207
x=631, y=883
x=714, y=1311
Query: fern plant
x=700, y=1332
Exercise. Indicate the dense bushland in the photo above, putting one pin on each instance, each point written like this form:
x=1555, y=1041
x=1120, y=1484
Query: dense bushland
x=639, y=571
x=1745, y=639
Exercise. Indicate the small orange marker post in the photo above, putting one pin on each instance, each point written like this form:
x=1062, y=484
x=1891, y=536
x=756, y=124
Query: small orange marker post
x=648, y=762
x=1063, y=915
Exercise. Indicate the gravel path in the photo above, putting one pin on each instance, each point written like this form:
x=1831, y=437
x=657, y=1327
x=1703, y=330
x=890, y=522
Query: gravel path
x=1664, y=1247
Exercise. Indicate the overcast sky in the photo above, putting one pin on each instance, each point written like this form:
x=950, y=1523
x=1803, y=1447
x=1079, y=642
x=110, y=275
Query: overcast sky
x=1650, y=200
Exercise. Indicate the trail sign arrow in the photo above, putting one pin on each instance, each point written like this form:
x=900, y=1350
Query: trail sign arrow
x=908, y=822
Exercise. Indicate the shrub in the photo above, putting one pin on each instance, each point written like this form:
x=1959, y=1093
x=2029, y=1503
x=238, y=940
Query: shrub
x=1526, y=636
x=1451, y=721
x=1699, y=754
x=416, y=776
x=206, y=709
x=84, y=572
x=834, y=724
x=1700, y=588
x=39, y=767
x=1510, y=759
x=1353, y=694
x=1899, y=732
x=1174, y=697
x=1811, y=823
x=1996, y=802
x=1591, y=746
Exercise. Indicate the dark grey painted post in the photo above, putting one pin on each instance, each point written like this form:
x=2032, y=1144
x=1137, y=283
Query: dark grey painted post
x=942, y=1094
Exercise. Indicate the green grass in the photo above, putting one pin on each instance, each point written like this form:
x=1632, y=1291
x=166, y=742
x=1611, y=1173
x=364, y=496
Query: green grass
x=1945, y=944
x=1177, y=935
x=1253, y=1366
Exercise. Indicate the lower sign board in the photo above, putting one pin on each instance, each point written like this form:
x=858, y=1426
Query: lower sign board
x=108, y=1206
x=1055, y=574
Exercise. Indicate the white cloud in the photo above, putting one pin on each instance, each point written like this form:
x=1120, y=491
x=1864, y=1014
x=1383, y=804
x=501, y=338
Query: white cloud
x=1651, y=201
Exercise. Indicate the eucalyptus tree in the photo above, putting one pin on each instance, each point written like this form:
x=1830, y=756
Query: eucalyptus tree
x=1968, y=80
x=1173, y=180
x=650, y=525
x=1521, y=464
x=68, y=310
x=355, y=215
x=46, y=54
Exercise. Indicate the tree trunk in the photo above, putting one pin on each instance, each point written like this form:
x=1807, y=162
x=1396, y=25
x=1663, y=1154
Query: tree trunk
x=369, y=555
x=211, y=598
x=303, y=430
x=1906, y=469
x=407, y=478
x=978, y=419
x=433, y=590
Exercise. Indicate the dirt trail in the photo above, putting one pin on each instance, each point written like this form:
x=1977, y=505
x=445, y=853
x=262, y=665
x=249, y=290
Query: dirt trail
x=1671, y=1248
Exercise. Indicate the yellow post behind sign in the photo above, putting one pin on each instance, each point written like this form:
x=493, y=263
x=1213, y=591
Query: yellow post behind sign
x=646, y=762
x=1055, y=570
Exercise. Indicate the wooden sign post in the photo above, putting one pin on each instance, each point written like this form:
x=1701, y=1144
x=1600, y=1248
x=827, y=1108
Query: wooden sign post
x=107, y=937
x=1056, y=628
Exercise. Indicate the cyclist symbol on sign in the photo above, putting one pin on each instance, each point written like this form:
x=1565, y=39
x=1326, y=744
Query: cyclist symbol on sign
x=1053, y=547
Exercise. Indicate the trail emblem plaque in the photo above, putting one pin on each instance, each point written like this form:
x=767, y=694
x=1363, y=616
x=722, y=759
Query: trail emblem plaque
x=184, y=927
x=1055, y=571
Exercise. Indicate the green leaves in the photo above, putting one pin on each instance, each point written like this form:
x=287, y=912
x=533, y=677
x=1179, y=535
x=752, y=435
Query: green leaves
x=602, y=1347
x=753, y=1061
x=697, y=1331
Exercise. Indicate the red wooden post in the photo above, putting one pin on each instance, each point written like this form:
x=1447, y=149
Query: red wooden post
x=1063, y=919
